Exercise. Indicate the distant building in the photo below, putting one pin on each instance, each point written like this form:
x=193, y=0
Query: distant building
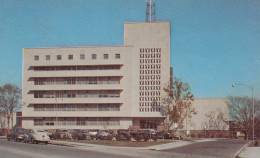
x=100, y=87
x=212, y=118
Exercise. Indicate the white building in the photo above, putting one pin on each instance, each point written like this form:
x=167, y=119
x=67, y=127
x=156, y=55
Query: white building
x=211, y=118
x=99, y=87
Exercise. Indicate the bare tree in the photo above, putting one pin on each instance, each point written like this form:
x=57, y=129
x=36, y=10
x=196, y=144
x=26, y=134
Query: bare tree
x=241, y=112
x=9, y=101
x=177, y=104
x=215, y=120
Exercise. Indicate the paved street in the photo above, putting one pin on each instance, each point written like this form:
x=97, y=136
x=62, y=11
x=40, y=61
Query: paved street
x=21, y=150
x=221, y=148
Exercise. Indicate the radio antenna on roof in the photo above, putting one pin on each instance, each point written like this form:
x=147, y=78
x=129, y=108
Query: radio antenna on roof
x=150, y=11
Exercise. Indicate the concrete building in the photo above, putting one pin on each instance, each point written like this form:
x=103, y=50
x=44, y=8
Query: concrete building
x=211, y=118
x=99, y=87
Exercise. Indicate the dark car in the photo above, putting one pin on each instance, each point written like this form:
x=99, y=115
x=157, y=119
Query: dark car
x=148, y=134
x=62, y=134
x=17, y=134
x=77, y=134
x=123, y=135
x=105, y=135
x=164, y=135
x=135, y=135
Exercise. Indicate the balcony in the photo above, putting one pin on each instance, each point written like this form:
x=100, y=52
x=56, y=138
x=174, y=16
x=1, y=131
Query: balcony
x=73, y=100
x=77, y=114
x=76, y=87
x=89, y=73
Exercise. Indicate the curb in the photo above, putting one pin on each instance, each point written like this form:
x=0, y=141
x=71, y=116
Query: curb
x=242, y=148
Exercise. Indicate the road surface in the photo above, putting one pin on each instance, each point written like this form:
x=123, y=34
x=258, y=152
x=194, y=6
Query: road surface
x=222, y=148
x=21, y=150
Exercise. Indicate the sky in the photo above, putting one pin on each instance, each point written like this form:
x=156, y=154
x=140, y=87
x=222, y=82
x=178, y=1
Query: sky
x=213, y=42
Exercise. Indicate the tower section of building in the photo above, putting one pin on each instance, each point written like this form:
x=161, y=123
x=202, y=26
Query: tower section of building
x=151, y=69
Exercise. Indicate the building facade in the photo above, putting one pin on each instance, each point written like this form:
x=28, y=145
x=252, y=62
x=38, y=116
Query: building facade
x=211, y=119
x=99, y=87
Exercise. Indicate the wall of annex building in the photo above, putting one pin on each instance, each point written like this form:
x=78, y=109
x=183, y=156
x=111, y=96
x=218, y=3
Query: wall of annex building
x=28, y=85
x=148, y=40
x=204, y=107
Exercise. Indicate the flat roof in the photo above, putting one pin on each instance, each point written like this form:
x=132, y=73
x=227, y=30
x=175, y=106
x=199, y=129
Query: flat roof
x=85, y=46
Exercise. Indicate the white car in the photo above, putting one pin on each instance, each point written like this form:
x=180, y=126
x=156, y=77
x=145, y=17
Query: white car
x=37, y=136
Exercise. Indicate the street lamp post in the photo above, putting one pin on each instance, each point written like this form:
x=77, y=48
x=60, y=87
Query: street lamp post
x=253, y=104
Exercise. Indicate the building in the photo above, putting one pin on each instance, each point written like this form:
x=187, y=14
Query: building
x=211, y=118
x=99, y=87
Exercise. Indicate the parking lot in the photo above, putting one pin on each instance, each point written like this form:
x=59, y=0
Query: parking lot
x=141, y=137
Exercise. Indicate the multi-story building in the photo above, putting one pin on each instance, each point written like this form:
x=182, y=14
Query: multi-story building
x=104, y=87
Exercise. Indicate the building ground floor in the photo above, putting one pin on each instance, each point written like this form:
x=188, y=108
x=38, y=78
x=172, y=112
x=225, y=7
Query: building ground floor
x=91, y=122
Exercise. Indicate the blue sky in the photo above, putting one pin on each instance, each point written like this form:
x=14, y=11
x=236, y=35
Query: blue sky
x=213, y=42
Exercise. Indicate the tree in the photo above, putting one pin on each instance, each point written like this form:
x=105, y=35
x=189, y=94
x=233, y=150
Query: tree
x=9, y=101
x=241, y=112
x=177, y=104
x=215, y=120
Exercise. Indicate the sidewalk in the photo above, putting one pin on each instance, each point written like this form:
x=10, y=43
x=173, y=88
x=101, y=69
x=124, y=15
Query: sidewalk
x=250, y=152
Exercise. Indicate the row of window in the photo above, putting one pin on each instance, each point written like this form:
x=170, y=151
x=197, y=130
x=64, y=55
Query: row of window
x=148, y=77
x=77, y=122
x=77, y=80
x=150, y=66
x=75, y=68
x=77, y=107
x=157, y=109
x=149, y=93
x=76, y=94
x=148, y=61
x=71, y=57
x=149, y=87
x=151, y=104
x=153, y=99
x=149, y=82
x=150, y=71
x=157, y=55
x=148, y=50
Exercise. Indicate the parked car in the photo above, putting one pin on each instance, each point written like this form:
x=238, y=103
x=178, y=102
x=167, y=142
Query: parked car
x=62, y=134
x=93, y=134
x=105, y=135
x=123, y=135
x=164, y=135
x=51, y=133
x=135, y=135
x=36, y=136
x=77, y=134
x=17, y=134
x=148, y=134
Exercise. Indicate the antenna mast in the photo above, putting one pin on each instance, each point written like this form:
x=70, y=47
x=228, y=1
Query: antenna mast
x=150, y=11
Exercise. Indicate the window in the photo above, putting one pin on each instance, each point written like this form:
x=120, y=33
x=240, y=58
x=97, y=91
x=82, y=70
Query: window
x=70, y=57
x=105, y=56
x=94, y=56
x=48, y=57
x=82, y=56
x=36, y=57
x=58, y=57
x=117, y=56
